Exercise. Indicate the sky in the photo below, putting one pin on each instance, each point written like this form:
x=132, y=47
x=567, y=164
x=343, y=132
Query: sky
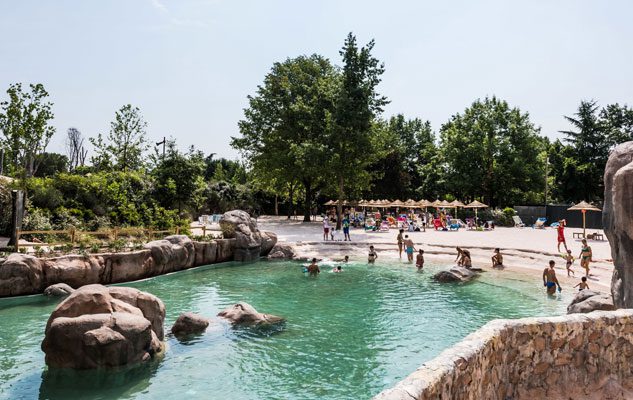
x=189, y=65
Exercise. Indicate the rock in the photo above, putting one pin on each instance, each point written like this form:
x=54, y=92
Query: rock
x=250, y=243
x=58, y=290
x=244, y=314
x=21, y=274
x=282, y=251
x=189, y=324
x=587, y=301
x=98, y=327
x=455, y=274
x=617, y=215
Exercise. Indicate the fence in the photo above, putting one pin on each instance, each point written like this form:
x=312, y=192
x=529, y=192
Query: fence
x=554, y=213
x=72, y=234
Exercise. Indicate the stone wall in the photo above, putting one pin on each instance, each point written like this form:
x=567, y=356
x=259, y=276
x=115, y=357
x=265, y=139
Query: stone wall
x=22, y=274
x=575, y=356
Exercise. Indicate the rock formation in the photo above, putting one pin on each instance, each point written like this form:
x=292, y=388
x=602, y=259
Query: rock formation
x=617, y=215
x=250, y=244
x=189, y=324
x=98, y=327
x=58, y=290
x=282, y=251
x=587, y=301
x=244, y=314
x=455, y=274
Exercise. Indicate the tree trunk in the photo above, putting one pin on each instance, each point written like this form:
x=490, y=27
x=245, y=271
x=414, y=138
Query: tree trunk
x=339, y=206
x=291, y=200
x=308, y=201
x=276, y=204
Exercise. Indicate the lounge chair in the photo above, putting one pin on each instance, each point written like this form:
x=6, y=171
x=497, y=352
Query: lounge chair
x=384, y=227
x=518, y=223
x=454, y=226
x=458, y=221
x=540, y=223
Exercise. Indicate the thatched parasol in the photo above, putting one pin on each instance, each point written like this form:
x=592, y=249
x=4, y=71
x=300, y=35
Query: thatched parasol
x=397, y=203
x=330, y=203
x=411, y=204
x=476, y=205
x=583, y=206
x=456, y=204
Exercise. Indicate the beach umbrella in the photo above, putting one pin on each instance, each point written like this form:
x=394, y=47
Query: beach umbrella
x=437, y=203
x=411, y=204
x=445, y=204
x=583, y=207
x=396, y=203
x=455, y=204
x=476, y=205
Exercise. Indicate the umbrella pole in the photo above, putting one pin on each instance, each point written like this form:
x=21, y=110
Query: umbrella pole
x=583, y=224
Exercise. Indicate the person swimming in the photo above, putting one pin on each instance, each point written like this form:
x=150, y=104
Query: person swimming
x=549, y=279
x=313, y=269
x=337, y=269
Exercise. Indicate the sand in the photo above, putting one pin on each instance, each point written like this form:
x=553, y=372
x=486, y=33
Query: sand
x=526, y=251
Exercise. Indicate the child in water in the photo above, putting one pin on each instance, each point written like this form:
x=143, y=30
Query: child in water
x=372, y=256
x=583, y=284
x=337, y=269
x=419, y=260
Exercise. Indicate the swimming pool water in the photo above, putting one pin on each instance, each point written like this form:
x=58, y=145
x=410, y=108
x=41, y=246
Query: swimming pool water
x=347, y=335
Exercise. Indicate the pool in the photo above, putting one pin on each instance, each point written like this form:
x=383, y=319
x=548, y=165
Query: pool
x=348, y=335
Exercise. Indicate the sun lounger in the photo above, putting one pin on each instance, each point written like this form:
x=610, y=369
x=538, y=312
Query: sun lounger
x=518, y=223
x=454, y=226
x=540, y=223
x=384, y=227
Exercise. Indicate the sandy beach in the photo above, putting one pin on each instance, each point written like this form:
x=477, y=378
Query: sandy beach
x=526, y=250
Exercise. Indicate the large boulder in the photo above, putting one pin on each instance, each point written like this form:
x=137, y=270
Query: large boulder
x=245, y=314
x=189, y=324
x=282, y=251
x=250, y=243
x=98, y=327
x=617, y=215
x=455, y=274
x=587, y=301
x=58, y=290
x=21, y=274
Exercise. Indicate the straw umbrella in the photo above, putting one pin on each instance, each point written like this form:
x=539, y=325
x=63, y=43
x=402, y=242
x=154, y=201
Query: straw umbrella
x=583, y=206
x=455, y=204
x=476, y=205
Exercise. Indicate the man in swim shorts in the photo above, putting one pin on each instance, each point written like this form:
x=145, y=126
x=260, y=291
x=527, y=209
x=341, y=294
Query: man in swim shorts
x=313, y=269
x=549, y=279
x=408, y=244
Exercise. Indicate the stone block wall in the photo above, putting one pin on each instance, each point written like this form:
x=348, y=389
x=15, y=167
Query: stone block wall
x=572, y=356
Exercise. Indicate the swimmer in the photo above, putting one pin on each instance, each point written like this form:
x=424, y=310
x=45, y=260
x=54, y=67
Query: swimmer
x=313, y=269
x=569, y=260
x=410, y=248
x=337, y=269
x=497, y=259
x=372, y=256
x=549, y=279
x=419, y=260
x=346, y=260
x=583, y=284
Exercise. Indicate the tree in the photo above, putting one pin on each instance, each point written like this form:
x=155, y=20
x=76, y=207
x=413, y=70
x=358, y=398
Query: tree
x=285, y=127
x=178, y=178
x=51, y=164
x=617, y=122
x=493, y=151
x=125, y=142
x=24, y=122
x=357, y=105
x=75, y=149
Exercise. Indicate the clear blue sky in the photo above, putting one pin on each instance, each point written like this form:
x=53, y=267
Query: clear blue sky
x=189, y=64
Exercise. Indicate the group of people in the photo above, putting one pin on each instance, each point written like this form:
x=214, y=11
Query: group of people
x=331, y=233
x=585, y=256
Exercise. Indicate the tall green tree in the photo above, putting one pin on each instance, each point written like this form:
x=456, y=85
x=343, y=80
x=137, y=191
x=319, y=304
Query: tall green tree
x=357, y=105
x=493, y=151
x=24, y=123
x=285, y=126
x=123, y=149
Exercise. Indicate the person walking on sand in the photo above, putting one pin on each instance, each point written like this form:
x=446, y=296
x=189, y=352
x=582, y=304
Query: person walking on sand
x=313, y=269
x=419, y=260
x=561, y=234
x=372, y=256
x=549, y=279
x=497, y=259
x=410, y=248
x=586, y=256
x=326, y=228
x=569, y=260
x=346, y=229
x=400, y=240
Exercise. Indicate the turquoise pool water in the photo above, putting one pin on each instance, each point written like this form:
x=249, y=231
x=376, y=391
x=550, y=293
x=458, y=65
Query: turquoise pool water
x=348, y=335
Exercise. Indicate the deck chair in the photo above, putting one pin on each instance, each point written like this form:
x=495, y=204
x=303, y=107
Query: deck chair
x=518, y=223
x=459, y=222
x=540, y=223
x=384, y=227
x=454, y=226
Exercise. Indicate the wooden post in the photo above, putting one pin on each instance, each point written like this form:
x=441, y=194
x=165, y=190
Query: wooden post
x=583, y=224
x=204, y=231
x=17, y=240
x=72, y=237
x=149, y=234
x=177, y=230
x=114, y=232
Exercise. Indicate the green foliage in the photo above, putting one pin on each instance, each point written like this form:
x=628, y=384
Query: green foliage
x=24, y=123
x=51, y=164
x=6, y=207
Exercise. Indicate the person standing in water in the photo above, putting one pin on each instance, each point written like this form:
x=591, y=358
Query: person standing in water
x=419, y=260
x=585, y=256
x=561, y=234
x=372, y=256
x=313, y=269
x=549, y=279
x=400, y=242
x=569, y=260
x=410, y=248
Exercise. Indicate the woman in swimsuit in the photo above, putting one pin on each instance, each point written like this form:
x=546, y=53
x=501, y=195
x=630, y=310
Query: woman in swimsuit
x=585, y=256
